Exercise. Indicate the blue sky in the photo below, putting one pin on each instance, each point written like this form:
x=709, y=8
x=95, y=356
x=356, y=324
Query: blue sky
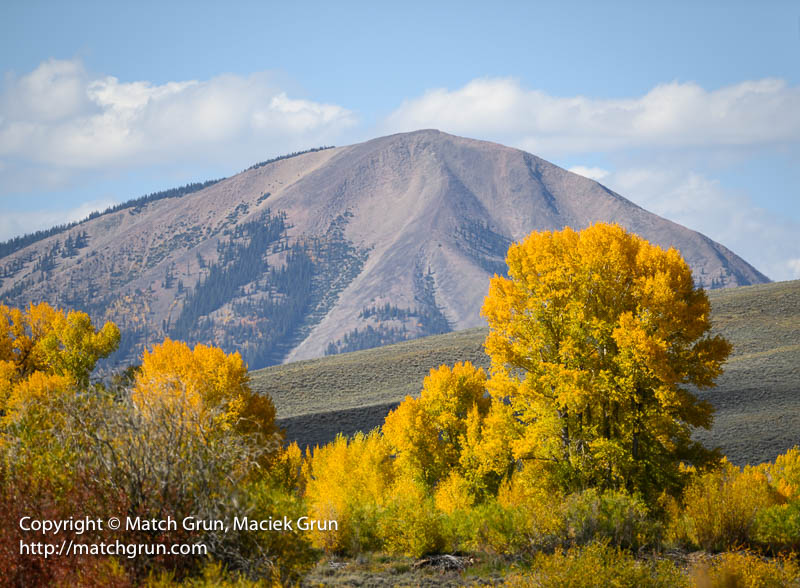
x=690, y=109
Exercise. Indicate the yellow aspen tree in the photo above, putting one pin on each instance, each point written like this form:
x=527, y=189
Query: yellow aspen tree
x=595, y=339
x=206, y=379
x=428, y=434
x=45, y=350
x=349, y=481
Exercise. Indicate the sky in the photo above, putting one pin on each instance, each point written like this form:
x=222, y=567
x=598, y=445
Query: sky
x=689, y=109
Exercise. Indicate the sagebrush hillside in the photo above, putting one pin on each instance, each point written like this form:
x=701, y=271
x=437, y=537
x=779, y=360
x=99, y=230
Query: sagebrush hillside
x=757, y=399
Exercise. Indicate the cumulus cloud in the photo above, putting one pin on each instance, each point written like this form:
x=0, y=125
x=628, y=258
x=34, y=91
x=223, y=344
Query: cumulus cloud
x=733, y=219
x=682, y=126
x=751, y=113
x=59, y=116
x=53, y=91
x=59, y=122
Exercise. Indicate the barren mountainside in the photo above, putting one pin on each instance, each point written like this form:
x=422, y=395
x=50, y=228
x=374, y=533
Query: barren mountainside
x=332, y=250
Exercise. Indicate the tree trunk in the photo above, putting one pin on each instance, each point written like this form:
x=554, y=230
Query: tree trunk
x=637, y=423
x=563, y=415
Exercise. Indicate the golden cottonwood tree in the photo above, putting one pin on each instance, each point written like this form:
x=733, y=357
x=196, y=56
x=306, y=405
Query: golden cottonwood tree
x=206, y=379
x=594, y=338
x=349, y=481
x=439, y=434
x=44, y=350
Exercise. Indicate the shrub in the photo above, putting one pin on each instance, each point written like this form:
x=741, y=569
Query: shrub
x=522, y=518
x=349, y=481
x=784, y=474
x=453, y=494
x=411, y=525
x=612, y=515
x=287, y=469
x=24, y=493
x=112, y=457
x=289, y=553
x=745, y=570
x=778, y=527
x=720, y=508
x=492, y=528
x=168, y=460
x=599, y=565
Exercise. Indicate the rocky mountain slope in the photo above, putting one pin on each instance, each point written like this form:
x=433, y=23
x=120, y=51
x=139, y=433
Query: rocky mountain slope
x=332, y=250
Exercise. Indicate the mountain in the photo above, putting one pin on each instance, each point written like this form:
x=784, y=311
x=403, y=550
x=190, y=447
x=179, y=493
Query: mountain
x=330, y=250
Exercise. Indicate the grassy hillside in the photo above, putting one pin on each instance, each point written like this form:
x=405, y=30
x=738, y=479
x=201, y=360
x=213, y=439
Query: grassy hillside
x=757, y=398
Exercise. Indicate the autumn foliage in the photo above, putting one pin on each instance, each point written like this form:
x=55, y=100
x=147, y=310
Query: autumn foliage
x=581, y=432
x=207, y=380
x=429, y=434
x=572, y=457
x=189, y=438
x=44, y=351
x=594, y=339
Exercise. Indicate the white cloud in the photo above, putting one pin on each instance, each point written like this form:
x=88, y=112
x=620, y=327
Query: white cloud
x=53, y=91
x=681, y=126
x=58, y=123
x=593, y=173
x=58, y=116
x=697, y=202
x=20, y=223
x=761, y=112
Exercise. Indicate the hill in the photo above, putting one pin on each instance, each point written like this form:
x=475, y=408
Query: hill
x=757, y=399
x=327, y=251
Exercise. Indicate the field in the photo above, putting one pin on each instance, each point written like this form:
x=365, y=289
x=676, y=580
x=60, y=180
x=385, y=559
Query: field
x=757, y=399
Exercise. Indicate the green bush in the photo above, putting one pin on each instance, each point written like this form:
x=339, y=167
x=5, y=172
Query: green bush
x=490, y=527
x=778, y=527
x=290, y=553
x=612, y=515
x=516, y=523
x=410, y=525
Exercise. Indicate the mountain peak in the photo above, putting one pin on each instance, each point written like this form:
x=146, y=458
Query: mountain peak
x=331, y=250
